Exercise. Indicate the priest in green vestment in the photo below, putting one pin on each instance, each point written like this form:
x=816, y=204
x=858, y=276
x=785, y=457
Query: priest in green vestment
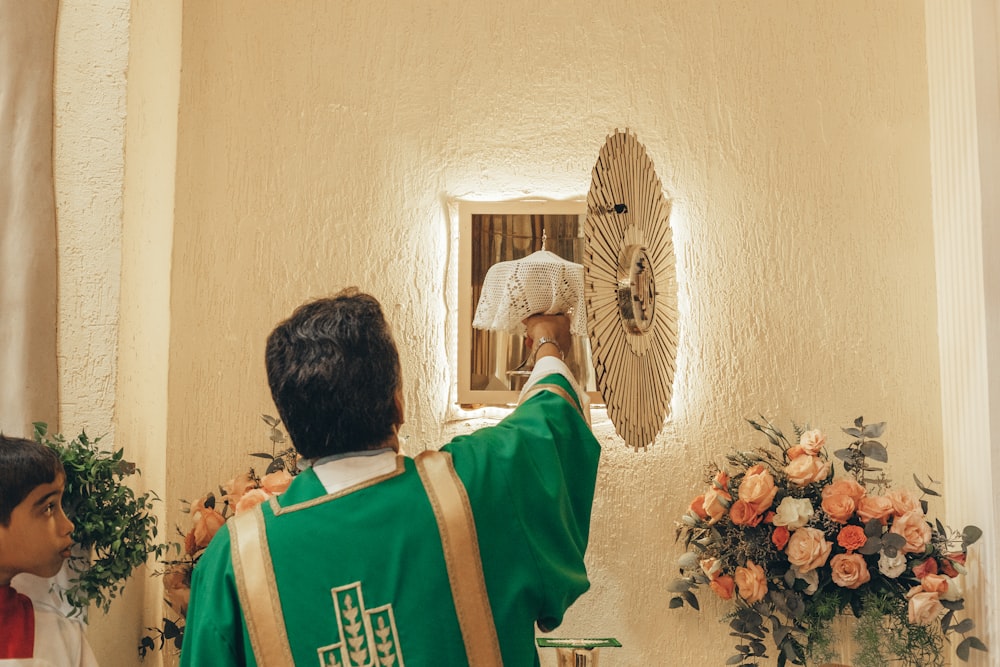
x=372, y=558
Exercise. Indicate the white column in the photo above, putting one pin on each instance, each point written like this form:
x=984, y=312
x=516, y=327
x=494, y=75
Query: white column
x=964, y=84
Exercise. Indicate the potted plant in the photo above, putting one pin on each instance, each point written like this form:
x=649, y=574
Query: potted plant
x=116, y=530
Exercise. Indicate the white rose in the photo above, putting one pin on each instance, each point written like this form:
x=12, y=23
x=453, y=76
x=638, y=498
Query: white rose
x=793, y=512
x=892, y=567
x=954, y=592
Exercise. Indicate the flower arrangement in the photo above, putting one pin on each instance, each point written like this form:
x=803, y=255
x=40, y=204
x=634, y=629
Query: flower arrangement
x=793, y=548
x=208, y=514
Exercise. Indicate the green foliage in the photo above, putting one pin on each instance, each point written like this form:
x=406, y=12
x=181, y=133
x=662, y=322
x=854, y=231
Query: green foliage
x=115, y=527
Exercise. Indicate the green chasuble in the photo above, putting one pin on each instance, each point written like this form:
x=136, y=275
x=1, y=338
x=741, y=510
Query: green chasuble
x=361, y=573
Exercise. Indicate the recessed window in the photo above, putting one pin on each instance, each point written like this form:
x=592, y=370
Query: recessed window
x=493, y=366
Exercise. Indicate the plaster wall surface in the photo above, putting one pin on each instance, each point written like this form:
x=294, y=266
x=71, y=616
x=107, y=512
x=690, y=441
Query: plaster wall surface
x=92, y=48
x=319, y=146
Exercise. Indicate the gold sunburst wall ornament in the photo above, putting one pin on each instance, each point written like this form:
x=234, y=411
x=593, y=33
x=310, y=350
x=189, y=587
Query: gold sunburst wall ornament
x=630, y=288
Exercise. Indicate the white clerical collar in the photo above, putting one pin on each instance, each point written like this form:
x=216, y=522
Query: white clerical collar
x=342, y=471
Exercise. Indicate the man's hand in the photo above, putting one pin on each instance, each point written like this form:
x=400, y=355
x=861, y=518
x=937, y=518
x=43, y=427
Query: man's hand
x=555, y=327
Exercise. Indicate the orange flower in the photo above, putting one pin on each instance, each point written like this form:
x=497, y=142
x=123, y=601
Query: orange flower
x=717, y=498
x=903, y=501
x=742, y=514
x=206, y=524
x=757, y=488
x=723, y=586
x=698, y=507
x=808, y=549
x=177, y=587
x=935, y=583
x=914, y=529
x=849, y=570
x=852, y=538
x=751, y=582
x=780, y=537
x=924, y=607
x=805, y=469
x=845, y=487
x=812, y=442
x=251, y=499
x=875, y=507
x=839, y=508
x=276, y=482
x=236, y=487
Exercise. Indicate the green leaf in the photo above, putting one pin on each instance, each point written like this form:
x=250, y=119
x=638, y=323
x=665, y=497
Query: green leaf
x=970, y=535
x=675, y=602
x=966, y=625
x=875, y=450
x=853, y=432
x=874, y=430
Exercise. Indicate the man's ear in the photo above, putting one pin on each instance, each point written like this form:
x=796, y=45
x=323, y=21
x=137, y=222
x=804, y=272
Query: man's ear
x=400, y=407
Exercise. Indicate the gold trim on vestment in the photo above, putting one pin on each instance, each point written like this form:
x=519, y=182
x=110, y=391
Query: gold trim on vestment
x=461, y=554
x=319, y=500
x=258, y=590
x=555, y=389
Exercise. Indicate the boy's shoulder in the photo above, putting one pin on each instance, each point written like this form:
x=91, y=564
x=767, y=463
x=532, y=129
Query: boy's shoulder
x=58, y=640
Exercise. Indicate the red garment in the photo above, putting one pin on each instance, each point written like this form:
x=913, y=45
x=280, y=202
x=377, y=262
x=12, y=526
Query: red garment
x=17, y=625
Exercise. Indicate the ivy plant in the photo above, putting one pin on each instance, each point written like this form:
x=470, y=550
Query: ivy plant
x=116, y=530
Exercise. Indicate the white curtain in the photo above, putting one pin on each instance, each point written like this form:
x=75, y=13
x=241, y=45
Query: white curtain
x=28, y=280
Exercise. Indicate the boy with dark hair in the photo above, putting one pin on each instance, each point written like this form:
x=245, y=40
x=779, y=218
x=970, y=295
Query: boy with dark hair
x=35, y=538
x=374, y=558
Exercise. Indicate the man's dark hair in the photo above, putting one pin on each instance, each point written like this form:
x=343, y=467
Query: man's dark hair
x=24, y=464
x=334, y=371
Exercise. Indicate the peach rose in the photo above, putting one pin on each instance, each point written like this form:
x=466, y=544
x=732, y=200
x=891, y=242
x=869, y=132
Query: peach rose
x=875, y=507
x=924, y=608
x=742, y=514
x=849, y=570
x=177, y=588
x=935, y=583
x=845, y=487
x=251, y=499
x=697, y=507
x=852, y=538
x=903, y=501
x=711, y=567
x=723, y=586
x=812, y=442
x=804, y=470
x=276, y=482
x=237, y=486
x=914, y=529
x=795, y=451
x=780, y=537
x=717, y=498
x=921, y=570
x=839, y=508
x=807, y=549
x=751, y=582
x=206, y=524
x=757, y=488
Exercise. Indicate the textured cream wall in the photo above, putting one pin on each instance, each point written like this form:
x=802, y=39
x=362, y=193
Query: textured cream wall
x=92, y=51
x=318, y=146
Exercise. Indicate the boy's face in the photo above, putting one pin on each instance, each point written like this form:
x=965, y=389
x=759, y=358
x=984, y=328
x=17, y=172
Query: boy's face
x=37, y=539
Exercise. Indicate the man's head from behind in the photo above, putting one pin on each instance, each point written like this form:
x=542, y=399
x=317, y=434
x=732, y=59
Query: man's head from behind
x=334, y=375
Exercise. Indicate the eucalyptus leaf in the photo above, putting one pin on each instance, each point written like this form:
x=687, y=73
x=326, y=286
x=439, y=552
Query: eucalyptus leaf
x=966, y=625
x=970, y=535
x=875, y=450
x=874, y=430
